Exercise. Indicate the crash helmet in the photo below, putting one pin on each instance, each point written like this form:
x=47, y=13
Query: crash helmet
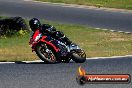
x=34, y=24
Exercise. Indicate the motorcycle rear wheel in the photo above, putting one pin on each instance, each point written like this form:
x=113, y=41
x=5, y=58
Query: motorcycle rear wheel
x=45, y=54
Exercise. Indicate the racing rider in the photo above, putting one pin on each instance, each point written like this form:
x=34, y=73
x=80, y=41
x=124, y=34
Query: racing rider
x=39, y=29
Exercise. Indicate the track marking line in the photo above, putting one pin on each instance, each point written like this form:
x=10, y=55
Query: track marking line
x=7, y=62
x=93, y=58
x=120, y=31
x=113, y=30
x=105, y=29
x=32, y=61
x=27, y=0
x=97, y=28
x=113, y=57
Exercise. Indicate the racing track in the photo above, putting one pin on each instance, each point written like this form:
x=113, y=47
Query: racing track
x=40, y=75
x=115, y=20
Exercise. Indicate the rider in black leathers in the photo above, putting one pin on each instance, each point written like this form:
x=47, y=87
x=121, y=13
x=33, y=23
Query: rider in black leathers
x=47, y=29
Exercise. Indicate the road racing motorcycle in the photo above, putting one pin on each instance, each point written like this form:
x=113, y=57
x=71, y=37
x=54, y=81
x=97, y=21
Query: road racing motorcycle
x=52, y=50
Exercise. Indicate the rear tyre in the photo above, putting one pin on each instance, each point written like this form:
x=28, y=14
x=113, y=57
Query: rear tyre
x=78, y=56
x=45, y=54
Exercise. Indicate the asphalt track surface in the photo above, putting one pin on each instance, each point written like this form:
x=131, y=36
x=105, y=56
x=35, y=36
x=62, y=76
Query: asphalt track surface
x=115, y=20
x=63, y=75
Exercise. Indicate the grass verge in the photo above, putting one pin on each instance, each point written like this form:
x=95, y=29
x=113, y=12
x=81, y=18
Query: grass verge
x=95, y=42
x=122, y=4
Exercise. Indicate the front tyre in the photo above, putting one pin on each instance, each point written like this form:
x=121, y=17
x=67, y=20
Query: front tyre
x=45, y=54
x=78, y=56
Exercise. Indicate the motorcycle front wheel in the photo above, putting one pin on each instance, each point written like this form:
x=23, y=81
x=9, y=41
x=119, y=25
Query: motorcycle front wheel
x=78, y=56
x=45, y=54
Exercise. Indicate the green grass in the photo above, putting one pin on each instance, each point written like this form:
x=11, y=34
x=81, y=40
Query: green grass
x=15, y=49
x=95, y=42
x=123, y=4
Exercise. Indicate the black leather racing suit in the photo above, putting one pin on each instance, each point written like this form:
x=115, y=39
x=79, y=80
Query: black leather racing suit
x=51, y=30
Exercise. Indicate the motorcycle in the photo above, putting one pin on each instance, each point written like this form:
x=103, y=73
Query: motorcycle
x=52, y=50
